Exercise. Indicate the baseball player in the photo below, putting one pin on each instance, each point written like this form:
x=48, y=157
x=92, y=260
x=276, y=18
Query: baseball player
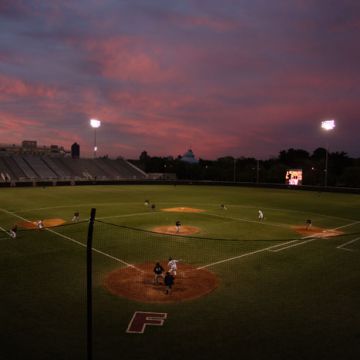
x=172, y=264
x=308, y=224
x=158, y=271
x=40, y=224
x=261, y=215
x=13, y=231
x=76, y=217
x=177, y=226
x=169, y=282
x=146, y=202
x=223, y=207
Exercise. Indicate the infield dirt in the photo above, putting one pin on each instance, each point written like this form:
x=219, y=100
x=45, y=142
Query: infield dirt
x=316, y=231
x=171, y=230
x=183, y=209
x=47, y=223
x=137, y=283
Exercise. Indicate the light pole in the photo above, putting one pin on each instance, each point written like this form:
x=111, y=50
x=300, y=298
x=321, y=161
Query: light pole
x=234, y=169
x=95, y=124
x=327, y=125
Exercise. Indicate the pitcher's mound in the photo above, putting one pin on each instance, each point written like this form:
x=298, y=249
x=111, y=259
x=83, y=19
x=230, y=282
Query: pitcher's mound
x=184, y=230
x=183, y=209
x=316, y=231
x=47, y=223
x=138, y=284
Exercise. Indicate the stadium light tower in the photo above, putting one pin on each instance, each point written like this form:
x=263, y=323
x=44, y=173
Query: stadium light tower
x=327, y=125
x=94, y=123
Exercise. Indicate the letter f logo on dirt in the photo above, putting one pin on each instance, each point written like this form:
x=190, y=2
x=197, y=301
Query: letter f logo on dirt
x=140, y=319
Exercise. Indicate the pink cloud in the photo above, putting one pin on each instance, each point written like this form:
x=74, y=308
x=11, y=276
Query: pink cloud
x=20, y=88
x=128, y=59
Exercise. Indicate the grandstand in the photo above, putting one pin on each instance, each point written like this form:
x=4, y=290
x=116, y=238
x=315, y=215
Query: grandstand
x=39, y=168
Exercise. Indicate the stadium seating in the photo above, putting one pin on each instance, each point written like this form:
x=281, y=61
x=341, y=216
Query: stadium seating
x=31, y=167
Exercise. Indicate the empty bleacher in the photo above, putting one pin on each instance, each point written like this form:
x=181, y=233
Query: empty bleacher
x=125, y=170
x=40, y=167
x=13, y=168
x=31, y=167
x=5, y=172
x=24, y=166
x=56, y=166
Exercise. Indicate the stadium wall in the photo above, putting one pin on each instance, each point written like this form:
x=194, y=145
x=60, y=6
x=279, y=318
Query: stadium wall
x=35, y=183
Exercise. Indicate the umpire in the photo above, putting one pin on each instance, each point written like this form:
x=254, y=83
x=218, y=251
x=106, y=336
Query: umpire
x=158, y=271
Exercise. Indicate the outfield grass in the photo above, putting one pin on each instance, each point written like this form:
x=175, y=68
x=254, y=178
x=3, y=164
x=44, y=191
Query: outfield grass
x=298, y=303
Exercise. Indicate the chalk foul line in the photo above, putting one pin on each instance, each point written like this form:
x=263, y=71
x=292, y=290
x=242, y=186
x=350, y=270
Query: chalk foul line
x=75, y=242
x=307, y=239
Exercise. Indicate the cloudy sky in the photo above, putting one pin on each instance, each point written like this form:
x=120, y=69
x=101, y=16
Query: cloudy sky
x=229, y=77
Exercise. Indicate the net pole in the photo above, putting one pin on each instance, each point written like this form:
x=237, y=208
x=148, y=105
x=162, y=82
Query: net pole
x=89, y=317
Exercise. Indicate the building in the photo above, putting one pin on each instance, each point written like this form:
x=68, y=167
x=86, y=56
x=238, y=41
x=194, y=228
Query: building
x=189, y=157
x=30, y=147
x=75, y=151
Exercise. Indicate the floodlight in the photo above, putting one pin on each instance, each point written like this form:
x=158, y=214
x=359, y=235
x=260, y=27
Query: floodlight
x=95, y=123
x=328, y=124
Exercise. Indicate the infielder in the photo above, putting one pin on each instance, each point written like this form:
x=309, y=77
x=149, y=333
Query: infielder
x=261, y=215
x=177, y=226
x=13, y=231
x=76, y=217
x=40, y=224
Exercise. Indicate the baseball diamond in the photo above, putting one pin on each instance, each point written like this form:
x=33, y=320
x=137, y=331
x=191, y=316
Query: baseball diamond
x=242, y=288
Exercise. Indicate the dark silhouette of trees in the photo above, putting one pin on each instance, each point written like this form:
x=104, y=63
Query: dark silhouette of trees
x=342, y=169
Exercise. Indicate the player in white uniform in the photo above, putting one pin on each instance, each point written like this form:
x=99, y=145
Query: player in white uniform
x=172, y=264
x=177, y=226
x=40, y=224
x=261, y=215
x=76, y=216
x=13, y=231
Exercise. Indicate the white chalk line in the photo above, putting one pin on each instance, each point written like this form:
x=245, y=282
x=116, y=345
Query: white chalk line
x=313, y=237
x=4, y=238
x=247, y=220
x=342, y=246
x=77, y=242
x=239, y=256
x=1, y=228
x=270, y=248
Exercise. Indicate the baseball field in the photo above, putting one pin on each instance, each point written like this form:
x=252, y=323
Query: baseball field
x=245, y=288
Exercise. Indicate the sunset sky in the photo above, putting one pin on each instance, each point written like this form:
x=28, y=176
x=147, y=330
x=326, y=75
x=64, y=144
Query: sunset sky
x=229, y=77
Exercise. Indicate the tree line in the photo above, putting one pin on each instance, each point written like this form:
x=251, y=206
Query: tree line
x=342, y=170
